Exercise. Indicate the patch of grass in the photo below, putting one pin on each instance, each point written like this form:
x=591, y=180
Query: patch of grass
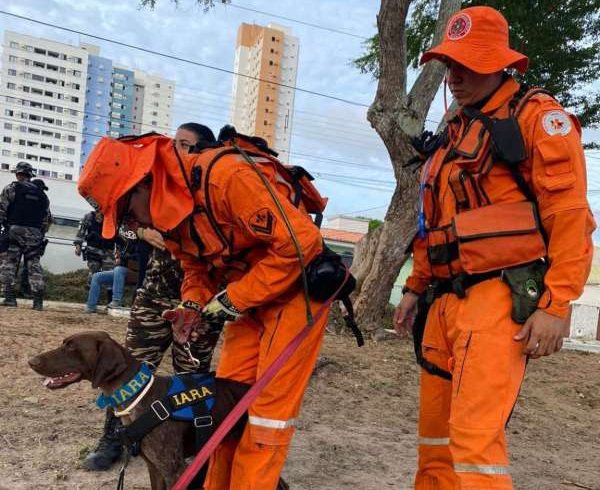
x=83, y=451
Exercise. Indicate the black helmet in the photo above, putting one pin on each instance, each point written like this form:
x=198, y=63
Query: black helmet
x=24, y=168
x=40, y=183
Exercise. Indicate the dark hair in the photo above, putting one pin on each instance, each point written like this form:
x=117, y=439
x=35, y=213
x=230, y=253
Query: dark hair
x=202, y=132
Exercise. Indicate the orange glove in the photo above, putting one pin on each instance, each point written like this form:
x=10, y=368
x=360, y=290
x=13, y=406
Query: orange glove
x=184, y=319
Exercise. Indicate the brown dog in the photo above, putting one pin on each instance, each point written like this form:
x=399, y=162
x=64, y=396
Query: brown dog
x=96, y=357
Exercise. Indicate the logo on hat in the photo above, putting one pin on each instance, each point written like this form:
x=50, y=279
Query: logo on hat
x=458, y=27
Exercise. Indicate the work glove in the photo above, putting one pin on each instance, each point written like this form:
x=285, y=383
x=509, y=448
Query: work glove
x=221, y=308
x=185, y=319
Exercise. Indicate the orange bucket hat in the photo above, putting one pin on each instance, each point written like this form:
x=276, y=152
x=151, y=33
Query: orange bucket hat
x=477, y=37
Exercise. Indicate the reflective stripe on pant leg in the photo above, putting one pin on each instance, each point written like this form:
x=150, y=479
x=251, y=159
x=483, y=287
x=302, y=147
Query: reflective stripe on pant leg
x=491, y=366
x=483, y=469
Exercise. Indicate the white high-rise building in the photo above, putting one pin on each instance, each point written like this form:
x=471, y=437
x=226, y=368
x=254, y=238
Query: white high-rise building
x=263, y=100
x=153, y=103
x=42, y=98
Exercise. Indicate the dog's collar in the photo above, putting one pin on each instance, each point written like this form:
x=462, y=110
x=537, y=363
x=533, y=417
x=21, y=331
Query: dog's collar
x=127, y=390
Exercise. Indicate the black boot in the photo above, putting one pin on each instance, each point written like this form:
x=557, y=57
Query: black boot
x=109, y=449
x=10, y=297
x=38, y=301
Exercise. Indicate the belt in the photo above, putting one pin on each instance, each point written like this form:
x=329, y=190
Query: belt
x=457, y=285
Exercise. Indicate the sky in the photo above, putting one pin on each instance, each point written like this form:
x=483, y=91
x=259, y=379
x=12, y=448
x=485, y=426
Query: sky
x=330, y=138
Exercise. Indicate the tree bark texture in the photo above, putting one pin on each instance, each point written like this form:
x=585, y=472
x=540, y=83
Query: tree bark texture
x=397, y=116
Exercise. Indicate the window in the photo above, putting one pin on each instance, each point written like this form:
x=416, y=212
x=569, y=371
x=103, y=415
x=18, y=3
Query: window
x=14, y=44
x=6, y=139
x=8, y=112
x=12, y=86
x=74, y=99
x=51, y=67
x=7, y=126
x=270, y=62
x=33, y=158
x=37, y=78
x=39, y=51
x=4, y=166
x=12, y=59
x=5, y=153
x=45, y=160
x=266, y=123
x=38, y=64
x=12, y=72
x=44, y=173
x=71, y=138
x=53, y=54
x=68, y=177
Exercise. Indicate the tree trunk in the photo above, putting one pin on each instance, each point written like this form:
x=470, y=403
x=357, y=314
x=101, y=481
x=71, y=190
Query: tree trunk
x=396, y=116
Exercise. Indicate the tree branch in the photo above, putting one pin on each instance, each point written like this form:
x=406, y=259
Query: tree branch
x=391, y=90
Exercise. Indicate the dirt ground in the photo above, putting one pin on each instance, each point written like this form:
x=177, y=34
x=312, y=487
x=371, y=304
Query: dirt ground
x=358, y=425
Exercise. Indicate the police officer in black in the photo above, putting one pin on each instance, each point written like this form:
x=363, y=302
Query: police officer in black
x=25, y=214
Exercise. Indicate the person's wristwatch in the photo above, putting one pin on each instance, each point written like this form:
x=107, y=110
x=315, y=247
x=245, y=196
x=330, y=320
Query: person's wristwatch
x=406, y=289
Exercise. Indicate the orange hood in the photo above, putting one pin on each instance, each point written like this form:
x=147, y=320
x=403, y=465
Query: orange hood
x=117, y=166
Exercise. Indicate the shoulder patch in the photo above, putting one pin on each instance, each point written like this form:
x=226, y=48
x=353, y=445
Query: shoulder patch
x=556, y=122
x=263, y=222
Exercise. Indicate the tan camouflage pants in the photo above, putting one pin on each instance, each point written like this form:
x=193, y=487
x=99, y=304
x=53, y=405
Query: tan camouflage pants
x=149, y=336
x=24, y=242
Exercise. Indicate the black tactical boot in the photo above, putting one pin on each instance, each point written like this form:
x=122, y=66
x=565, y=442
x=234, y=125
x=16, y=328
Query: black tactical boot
x=38, y=301
x=10, y=297
x=109, y=449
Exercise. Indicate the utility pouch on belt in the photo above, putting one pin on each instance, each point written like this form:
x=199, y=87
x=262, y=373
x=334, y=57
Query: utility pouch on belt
x=498, y=236
x=325, y=275
x=526, y=284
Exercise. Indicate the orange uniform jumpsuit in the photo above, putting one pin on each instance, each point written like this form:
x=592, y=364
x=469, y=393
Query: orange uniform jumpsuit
x=462, y=441
x=257, y=262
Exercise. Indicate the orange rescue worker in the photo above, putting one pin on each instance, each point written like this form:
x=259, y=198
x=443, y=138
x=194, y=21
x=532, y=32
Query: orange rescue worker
x=504, y=244
x=240, y=264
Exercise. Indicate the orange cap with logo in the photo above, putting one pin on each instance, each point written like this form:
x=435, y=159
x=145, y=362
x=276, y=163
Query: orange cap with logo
x=477, y=37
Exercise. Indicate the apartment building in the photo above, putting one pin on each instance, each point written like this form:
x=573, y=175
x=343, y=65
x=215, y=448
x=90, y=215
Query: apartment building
x=266, y=59
x=153, y=103
x=42, y=105
x=58, y=100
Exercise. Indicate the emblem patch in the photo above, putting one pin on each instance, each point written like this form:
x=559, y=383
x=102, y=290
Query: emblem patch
x=458, y=27
x=556, y=122
x=263, y=222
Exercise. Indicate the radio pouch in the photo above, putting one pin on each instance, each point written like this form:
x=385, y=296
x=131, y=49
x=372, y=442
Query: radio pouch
x=526, y=283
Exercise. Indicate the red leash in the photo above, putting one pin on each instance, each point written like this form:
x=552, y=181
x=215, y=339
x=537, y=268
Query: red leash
x=235, y=414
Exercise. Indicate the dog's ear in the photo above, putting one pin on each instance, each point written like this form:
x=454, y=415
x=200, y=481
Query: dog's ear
x=110, y=363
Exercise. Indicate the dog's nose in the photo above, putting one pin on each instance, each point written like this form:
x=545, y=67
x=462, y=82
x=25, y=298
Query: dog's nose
x=34, y=362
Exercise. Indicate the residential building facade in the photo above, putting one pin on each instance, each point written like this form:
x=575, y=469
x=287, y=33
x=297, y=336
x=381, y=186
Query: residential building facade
x=266, y=60
x=42, y=105
x=58, y=100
